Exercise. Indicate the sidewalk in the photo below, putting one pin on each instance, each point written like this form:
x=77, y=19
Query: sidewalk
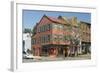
x=44, y=59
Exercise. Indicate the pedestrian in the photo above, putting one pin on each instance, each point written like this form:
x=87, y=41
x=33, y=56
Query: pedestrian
x=68, y=52
x=64, y=53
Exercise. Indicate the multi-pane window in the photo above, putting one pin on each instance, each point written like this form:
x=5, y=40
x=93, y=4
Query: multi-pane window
x=48, y=27
x=44, y=28
x=45, y=38
x=42, y=39
x=40, y=28
x=61, y=37
x=57, y=37
x=55, y=26
x=54, y=37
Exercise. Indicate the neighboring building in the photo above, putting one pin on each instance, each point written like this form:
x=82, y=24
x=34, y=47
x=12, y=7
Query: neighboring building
x=26, y=42
x=85, y=37
x=53, y=36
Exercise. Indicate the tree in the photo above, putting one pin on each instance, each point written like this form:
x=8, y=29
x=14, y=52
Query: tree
x=27, y=30
x=67, y=37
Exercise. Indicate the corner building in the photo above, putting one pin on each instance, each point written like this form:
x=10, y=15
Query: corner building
x=54, y=36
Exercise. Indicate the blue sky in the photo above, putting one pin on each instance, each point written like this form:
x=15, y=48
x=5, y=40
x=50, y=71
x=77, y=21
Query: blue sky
x=31, y=17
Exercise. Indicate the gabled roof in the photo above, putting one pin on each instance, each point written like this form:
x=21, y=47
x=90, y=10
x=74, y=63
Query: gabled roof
x=64, y=19
x=59, y=20
x=53, y=19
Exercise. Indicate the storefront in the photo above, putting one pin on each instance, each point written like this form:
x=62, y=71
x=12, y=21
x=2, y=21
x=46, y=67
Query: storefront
x=54, y=50
x=86, y=47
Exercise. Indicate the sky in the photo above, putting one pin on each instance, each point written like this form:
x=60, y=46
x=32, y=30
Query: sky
x=31, y=17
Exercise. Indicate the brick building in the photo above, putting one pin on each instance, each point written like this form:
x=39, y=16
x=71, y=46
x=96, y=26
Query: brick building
x=85, y=29
x=55, y=36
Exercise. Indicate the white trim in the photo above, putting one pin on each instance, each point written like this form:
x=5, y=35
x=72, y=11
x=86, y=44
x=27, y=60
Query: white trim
x=17, y=27
x=13, y=37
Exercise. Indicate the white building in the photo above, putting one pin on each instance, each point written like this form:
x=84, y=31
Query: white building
x=26, y=42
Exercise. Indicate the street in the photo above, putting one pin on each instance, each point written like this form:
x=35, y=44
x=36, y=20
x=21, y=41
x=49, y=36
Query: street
x=44, y=59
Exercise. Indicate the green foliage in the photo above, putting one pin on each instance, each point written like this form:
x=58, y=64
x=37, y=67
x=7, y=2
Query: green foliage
x=27, y=30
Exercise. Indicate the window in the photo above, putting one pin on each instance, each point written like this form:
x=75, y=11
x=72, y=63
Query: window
x=23, y=45
x=39, y=29
x=60, y=26
x=48, y=38
x=42, y=39
x=61, y=37
x=48, y=27
x=54, y=37
x=45, y=38
x=44, y=28
x=58, y=38
x=33, y=41
x=55, y=26
x=27, y=36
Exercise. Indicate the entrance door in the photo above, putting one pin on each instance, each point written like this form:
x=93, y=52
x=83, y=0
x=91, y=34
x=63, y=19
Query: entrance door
x=60, y=51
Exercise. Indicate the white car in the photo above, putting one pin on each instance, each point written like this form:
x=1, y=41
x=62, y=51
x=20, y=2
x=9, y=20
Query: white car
x=25, y=56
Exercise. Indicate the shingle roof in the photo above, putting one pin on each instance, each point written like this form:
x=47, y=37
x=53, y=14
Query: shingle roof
x=57, y=20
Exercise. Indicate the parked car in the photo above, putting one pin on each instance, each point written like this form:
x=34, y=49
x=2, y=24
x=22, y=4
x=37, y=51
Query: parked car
x=26, y=56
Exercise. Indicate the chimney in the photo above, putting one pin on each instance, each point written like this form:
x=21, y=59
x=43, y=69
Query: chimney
x=59, y=17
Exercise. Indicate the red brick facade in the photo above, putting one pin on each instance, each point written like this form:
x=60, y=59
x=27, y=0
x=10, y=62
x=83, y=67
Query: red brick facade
x=51, y=35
